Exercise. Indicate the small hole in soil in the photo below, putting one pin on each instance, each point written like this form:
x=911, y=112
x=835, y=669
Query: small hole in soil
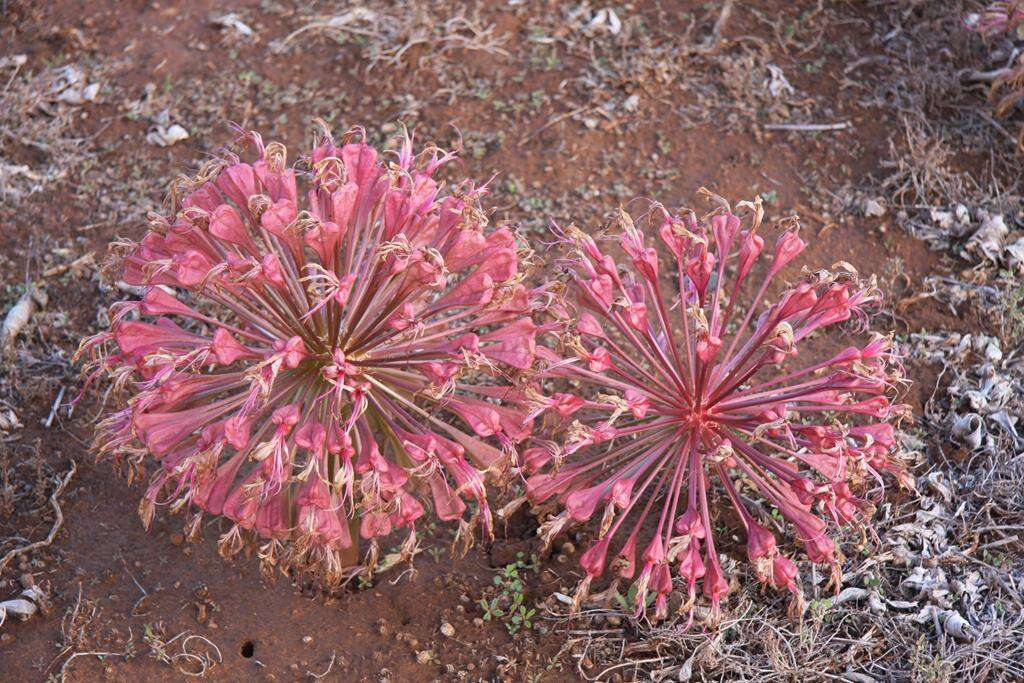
x=248, y=649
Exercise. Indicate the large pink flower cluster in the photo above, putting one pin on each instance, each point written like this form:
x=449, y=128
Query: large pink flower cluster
x=688, y=392
x=320, y=366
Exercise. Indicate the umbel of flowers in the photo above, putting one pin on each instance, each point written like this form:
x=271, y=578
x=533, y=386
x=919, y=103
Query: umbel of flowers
x=321, y=352
x=691, y=396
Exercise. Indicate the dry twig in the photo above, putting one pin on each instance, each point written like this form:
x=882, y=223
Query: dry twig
x=57, y=522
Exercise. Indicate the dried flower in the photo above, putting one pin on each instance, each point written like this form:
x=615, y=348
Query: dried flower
x=690, y=394
x=320, y=368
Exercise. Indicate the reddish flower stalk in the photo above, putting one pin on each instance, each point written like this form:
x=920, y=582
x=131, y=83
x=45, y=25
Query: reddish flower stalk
x=997, y=18
x=688, y=400
x=1007, y=83
x=321, y=367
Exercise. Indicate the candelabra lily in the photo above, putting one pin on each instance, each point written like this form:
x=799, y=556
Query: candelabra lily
x=689, y=398
x=320, y=368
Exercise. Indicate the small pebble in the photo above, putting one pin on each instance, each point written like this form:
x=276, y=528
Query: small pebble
x=447, y=629
x=306, y=640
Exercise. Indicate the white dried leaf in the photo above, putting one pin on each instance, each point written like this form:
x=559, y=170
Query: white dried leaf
x=937, y=485
x=952, y=222
x=987, y=241
x=978, y=400
x=950, y=620
x=923, y=580
x=233, y=22
x=20, y=314
x=1008, y=424
x=855, y=677
x=969, y=429
x=955, y=625
x=971, y=586
x=563, y=598
x=850, y=594
x=17, y=607
x=70, y=86
x=24, y=606
x=605, y=19
x=874, y=208
x=1015, y=255
x=9, y=421
x=993, y=353
x=166, y=136
x=777, y=84
x=16, y=61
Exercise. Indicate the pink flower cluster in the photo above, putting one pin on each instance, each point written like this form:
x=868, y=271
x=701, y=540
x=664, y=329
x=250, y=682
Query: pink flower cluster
x=324, y=367
x=1007, y=83
x=321, y=365
x=689, y=391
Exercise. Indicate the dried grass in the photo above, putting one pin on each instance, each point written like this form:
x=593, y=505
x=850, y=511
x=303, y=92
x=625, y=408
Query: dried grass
x=38, y=141
x=389, y=34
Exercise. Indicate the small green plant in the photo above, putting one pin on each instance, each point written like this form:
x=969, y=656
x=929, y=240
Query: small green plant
x=509, y=604
x=628, y=601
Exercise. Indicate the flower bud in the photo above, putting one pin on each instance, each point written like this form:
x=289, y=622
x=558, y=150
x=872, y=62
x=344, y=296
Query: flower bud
x=787, y=247
x=593, y=559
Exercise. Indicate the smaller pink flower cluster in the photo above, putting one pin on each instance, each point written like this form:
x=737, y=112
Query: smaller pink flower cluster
x=690, y=393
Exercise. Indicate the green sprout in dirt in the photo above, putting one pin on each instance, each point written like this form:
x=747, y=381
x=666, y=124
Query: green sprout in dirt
x=509, y=605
